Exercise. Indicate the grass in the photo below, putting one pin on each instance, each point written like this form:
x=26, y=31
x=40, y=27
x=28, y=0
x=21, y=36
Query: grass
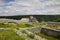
x=23, y=25
x=31, y=36
x=57, y=26
x=47, y=37
x=10, y=25
x=7, y=25
x=24, y=31
x=18, y=25
x=9, y=35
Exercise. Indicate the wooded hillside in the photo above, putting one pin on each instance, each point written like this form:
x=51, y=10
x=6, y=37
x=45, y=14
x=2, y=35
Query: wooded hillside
x=55, y=18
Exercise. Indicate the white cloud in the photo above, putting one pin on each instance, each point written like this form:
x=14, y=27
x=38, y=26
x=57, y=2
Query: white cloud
x=26, y=7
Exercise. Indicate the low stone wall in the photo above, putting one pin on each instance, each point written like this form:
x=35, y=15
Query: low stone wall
x=34, y=29
x=51, y=32
x=46, y=31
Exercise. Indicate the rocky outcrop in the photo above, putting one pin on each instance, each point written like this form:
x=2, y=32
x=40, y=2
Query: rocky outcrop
x=33, y=19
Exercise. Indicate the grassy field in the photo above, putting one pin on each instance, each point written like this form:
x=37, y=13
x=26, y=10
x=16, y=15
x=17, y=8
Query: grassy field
x=9, y=35
x=18, y=25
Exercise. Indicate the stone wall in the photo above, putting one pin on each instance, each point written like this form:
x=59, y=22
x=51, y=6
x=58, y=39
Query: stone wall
x=34, y=29
x=46, y=31
x=51, y=32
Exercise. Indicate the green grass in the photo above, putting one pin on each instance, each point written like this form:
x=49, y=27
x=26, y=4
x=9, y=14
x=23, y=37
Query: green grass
x=31, y=36
x=18, y=25
x=7, y=25
x=10, y=25
x=9, y=35
x=57, y=26
x=47, y=37
x=24, y=31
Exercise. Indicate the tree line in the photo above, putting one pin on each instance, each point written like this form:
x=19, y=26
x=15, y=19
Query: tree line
x=54, y=18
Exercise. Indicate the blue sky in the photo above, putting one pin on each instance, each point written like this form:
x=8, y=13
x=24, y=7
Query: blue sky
x=7, y=1
x=29, y=7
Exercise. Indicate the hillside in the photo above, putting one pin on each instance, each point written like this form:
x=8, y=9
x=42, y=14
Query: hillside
x=54, y=18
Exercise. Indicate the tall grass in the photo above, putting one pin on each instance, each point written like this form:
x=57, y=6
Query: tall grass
x=10, y=35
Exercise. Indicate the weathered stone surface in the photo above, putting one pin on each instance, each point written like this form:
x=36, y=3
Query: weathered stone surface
x=46, y=31
x=51, y=32
x=35, y=29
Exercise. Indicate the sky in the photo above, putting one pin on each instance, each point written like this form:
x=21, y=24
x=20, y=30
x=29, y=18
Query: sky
x=29, y=7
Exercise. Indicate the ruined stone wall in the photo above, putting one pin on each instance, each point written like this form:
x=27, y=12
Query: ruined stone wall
x=34, y=29
x=50, y=32
x=46, y=31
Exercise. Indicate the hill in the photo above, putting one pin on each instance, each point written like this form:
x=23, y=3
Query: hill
x=54, y=18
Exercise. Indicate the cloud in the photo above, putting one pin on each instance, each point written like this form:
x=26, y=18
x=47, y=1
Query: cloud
x=29, y=7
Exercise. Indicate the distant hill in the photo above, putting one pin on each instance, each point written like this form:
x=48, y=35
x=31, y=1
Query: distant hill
x=55, y=18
